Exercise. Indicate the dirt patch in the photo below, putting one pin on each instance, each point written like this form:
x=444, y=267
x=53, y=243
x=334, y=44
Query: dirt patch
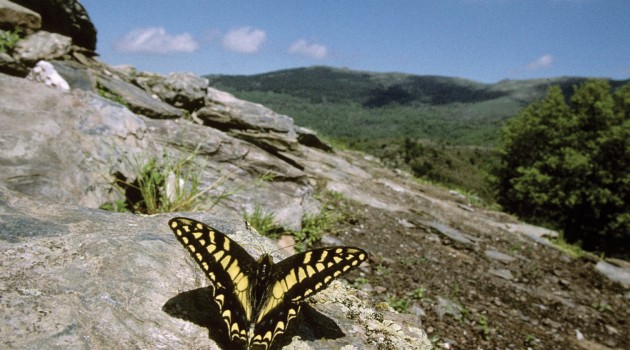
x=495, y=291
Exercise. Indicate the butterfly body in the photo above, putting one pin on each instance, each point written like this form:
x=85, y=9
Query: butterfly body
x=257, y=298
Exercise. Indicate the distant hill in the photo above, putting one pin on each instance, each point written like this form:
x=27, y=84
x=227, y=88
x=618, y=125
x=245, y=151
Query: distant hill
x=347, y=104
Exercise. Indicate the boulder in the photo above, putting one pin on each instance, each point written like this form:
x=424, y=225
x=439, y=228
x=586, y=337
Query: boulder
x=63, y=146
x=66, y=17
x=224, y=111
x=42, y=46
x=44, y=72
x=135, y=98
x=80, y=278
x=14, y=16
x=182, y=90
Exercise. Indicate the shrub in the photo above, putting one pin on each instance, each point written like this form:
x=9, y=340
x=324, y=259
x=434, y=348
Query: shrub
x=567, y=165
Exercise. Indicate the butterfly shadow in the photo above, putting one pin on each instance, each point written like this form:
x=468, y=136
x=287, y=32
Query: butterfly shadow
x=197, y=306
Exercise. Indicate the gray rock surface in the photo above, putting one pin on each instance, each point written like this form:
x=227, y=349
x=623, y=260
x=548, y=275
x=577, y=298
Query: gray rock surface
x=615, y=273
x=182, y=90
x=494, y=255
x=64, y=146
x=137, y=99
x=79, y=278
x=42, y=46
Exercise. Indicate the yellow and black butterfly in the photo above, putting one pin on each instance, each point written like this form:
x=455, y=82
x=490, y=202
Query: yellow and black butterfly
x=257, y=299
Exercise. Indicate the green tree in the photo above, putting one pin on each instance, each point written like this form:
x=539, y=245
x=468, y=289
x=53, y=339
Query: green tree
x=567, y=165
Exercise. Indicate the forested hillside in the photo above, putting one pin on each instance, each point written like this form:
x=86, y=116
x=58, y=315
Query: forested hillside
x=353, y=105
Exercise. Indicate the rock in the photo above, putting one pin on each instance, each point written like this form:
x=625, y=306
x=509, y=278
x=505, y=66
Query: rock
x=224, y=111
x=11, y=66
x=44, y=72
x=137, y=99
x=452, y=233
x=42, y=46
x=66, y=17
x=14, y=16
x=614, y=273
x=182, y=90
x=62, y=146
x=309, y=138
x=447, y=307
x=82, y=278
x=77, y=75
x=406, y=224
x=502, y=273
x=536, y=233
x=494, y=255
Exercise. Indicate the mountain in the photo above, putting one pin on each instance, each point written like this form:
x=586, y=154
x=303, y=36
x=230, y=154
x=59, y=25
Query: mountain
x=347, y=104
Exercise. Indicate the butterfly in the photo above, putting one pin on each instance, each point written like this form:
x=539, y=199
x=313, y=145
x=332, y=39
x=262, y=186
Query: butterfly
x=257, y=298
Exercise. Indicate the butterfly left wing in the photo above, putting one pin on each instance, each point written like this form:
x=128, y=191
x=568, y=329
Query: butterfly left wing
x=230, y=269
x=295, y=279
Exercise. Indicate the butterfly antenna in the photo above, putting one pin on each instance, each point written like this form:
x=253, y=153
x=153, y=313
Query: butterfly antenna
x=256, y=235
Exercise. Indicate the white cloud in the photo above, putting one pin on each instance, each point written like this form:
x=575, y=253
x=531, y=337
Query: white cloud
x=304, y=48
x=244, y=39
x=542, y=62
x=155, y=40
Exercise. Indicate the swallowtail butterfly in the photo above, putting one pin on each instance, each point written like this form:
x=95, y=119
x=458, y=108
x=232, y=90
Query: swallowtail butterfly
x=257, y=299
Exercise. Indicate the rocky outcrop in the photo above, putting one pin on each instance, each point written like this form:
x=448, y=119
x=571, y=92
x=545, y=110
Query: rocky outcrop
x=63, y=146
x=66, y=17
x=15, y=16
x=80, y=278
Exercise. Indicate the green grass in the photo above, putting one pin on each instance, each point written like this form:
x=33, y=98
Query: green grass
x=399, y=304
x=313, y=225
x=572, y=250
x=263, y=222
x=110, y=95
x=166, y=184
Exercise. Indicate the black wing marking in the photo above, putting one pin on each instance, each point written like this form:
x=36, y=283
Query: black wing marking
x=231, y=270
x=295, y=279
x=274, y=323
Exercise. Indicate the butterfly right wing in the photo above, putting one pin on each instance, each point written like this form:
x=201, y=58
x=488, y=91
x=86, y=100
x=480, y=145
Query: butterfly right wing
x=295, y=279
x=231, y=270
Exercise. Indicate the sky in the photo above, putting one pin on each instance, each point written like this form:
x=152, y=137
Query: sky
x=481, y=40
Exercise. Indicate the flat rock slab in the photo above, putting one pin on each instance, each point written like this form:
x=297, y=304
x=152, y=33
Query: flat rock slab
x=494, y=255
x=614, y=273
x=80, y=278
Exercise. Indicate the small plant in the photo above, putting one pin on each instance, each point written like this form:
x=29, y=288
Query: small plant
x=419, y=294
x=410, y=262
x=399, y=304
x=9, y=39
x=360, y=281
x=602, y=307
x=263, y=222
x=268, y=176
x=483, y=327
x=530, y=340
x=572, y=250
x=314, y=225
x=165, y=184
x=382, y=270
x=454, y=292
x=118, y=206
x=110, y=95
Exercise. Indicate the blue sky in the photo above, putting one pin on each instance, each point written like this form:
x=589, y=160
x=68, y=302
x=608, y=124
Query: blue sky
x=482, y=40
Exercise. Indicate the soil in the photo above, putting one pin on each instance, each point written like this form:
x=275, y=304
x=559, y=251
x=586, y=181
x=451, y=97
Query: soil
x=464, y=299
